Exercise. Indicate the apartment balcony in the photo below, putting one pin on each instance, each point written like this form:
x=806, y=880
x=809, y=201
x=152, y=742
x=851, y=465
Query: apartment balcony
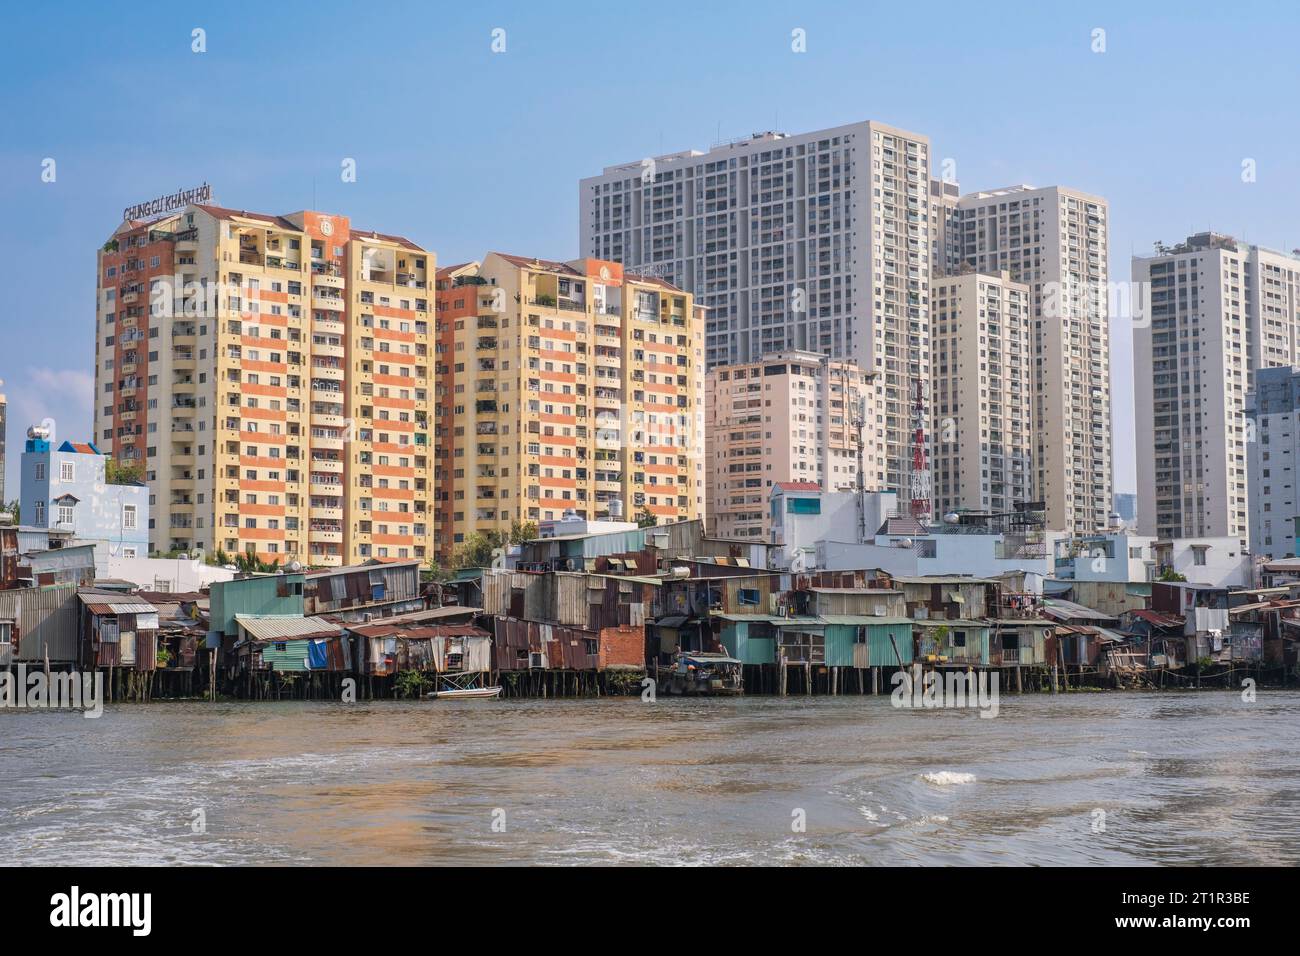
x=328, y=419
x=328, y=395
x=327, y=442
x=324, y=484
x=329, y=326
x=326, y=277
x=329, y=350
x=333, y=373
x=325, y=534
x=321, y=299
x=327, y=512
x=331, y=466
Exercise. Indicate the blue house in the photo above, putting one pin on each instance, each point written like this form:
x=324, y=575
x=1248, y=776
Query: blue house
x=65, y=489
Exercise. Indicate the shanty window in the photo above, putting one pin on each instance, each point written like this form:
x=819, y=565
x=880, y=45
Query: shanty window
x=281, y=646
x=6, y=635
x=748, y=596
x=958, y=638
x=590, y=646
x=860, y=637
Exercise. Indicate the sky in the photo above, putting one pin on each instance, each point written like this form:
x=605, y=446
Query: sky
x=468, y=150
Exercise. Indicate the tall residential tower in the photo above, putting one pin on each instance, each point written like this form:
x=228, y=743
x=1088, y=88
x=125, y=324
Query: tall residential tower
x=272, y=378
x=565, y=386
x=1054, y=240
x=1220, y=310
x=816, y=242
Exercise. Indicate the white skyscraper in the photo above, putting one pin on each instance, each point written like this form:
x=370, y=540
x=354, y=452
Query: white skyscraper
x=1054, y=240
x=818, y=241
x=1219, y=311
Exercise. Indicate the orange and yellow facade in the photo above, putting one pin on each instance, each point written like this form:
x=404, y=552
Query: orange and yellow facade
x=274, y=377
x=565, y=386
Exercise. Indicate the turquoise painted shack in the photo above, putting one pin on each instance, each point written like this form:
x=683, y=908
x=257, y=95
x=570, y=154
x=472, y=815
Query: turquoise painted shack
x=855, y=640
x=286, y=644
x=749, y=638
x=954, y=640
x=257, y=595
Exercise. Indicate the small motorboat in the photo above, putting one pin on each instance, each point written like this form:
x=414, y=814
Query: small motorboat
x=465, y=693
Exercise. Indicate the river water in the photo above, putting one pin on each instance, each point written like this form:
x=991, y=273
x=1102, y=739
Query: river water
x=1181, y=778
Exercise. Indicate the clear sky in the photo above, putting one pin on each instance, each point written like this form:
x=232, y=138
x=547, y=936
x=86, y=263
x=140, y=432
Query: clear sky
x=467, y=150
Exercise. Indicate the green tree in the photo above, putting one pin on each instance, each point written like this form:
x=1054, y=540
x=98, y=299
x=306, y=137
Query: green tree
x=476, y=551
x=647, y=518
x=1170, y=576
x=521, y=531
x=15, y=510
x=250, y=563
x=117, y=473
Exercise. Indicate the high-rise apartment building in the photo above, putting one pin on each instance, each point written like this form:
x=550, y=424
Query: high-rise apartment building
x=1054, y=240
x=794, y=416
x=271, y=376
x=1272, y=460
x=565, y=386
x=1220, y=310
x=982, y=372
x=816, y=242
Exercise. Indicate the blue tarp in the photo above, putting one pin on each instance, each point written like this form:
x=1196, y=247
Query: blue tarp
x=317, y=656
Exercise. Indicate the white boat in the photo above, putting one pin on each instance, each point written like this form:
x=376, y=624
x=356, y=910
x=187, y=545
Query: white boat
x=466, y=693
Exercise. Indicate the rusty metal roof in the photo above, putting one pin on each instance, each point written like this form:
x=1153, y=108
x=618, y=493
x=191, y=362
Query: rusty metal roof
x=283, y=627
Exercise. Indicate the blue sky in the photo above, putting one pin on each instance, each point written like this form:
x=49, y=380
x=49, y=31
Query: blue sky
x=465, y=150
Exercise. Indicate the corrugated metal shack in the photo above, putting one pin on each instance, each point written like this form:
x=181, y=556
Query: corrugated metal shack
x=259, y=594
x=72, y=564
x=384, y=649
x=8, y=556
x=587, y=601
x=952, y=641
x=945, y=596
x=365, y=591
x=864, y=641
x=1018, y=642
x=282, y=655
x=866, y=602
x=119, y=633
x=46, y=623
x=537, y=646
x=568, y=621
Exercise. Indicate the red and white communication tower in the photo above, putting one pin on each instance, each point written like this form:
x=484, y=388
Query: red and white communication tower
x=919, y=484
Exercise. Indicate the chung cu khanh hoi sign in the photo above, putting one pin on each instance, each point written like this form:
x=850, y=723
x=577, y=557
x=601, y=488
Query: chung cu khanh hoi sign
x=169, y=203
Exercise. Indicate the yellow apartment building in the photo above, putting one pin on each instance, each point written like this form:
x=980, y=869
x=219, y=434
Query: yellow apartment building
x=272, y=377
x=565, y=386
